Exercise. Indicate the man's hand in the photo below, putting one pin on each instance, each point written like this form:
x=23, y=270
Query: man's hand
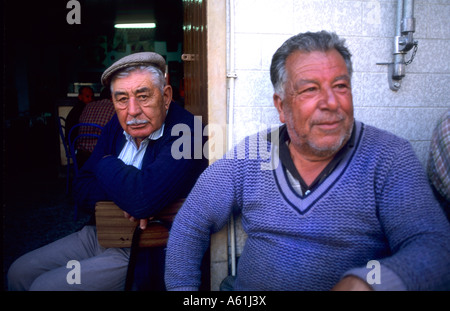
x=351, y=283
x=142, y=222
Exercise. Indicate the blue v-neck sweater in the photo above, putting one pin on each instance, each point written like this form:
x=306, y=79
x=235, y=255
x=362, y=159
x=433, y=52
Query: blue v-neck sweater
x=375, y=205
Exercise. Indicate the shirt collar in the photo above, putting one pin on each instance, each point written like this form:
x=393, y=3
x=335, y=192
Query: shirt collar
x=286, y=160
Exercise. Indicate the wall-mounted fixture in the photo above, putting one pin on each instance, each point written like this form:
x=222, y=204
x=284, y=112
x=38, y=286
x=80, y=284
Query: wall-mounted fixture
x=403, y=42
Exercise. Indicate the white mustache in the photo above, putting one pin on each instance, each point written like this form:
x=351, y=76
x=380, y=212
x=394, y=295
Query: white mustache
x=136, y=122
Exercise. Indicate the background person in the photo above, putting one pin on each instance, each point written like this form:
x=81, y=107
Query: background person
x=438, y=166
x=97, y=112
x=85, y=96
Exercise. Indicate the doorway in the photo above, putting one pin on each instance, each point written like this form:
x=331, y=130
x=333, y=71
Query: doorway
x=45, y=57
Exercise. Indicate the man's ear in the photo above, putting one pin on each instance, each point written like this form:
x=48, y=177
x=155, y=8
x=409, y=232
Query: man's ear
x=167, y=96
x=278, y=103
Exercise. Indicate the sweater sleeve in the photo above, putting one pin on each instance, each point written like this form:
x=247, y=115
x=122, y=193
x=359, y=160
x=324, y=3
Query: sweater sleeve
x=205, y=211
x=415, y=227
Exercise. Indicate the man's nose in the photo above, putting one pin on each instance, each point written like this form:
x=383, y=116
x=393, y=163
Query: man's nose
x=133, y=107
x=328, y=99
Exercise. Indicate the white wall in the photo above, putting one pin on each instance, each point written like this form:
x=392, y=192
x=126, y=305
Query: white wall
x=261, y=26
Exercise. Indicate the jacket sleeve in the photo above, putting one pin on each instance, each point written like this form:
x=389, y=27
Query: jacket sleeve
x=143, y=192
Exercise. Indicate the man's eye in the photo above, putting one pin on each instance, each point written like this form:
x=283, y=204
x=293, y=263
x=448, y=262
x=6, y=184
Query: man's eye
x=309, y=90
x=143, y=97
x=123, y=100
x=342, y=86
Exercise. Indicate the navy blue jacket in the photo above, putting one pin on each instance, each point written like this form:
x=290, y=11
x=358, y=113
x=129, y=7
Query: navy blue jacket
x=143, y=192
x=162, y=178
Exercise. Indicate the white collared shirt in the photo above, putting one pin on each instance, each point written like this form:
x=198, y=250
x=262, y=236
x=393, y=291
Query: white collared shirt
x=131, y=154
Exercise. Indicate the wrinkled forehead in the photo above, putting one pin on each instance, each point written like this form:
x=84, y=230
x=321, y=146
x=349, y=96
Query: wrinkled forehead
x=132, y=80
x=316, y=63
x=136, y=76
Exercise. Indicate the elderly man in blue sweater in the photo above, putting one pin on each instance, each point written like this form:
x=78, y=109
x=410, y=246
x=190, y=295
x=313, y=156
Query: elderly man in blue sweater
x=338, y=204
x=132, y=165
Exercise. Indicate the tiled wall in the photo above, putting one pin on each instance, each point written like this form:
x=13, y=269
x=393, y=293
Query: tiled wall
x=369, y=27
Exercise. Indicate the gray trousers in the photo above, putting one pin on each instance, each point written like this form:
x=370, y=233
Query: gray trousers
x=75, y=262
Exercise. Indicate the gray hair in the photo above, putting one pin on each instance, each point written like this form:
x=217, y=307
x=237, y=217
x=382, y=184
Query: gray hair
x=157, y=75
x=305, y=42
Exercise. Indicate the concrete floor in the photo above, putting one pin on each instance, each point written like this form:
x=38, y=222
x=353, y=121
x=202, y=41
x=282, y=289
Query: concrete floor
x=36, y=211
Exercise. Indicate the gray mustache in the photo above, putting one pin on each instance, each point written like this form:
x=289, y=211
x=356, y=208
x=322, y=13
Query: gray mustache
x=136, y=122
x=330, y=119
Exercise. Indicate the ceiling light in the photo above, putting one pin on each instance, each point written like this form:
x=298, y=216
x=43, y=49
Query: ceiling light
x=135, y=25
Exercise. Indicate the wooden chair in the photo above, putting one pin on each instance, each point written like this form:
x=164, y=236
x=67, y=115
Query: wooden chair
x=114, y=230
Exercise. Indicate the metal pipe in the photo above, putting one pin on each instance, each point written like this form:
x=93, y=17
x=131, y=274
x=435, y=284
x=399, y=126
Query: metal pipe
x=398, y=27
x=231, y=77
x=408, y=24
x=403, y=42
x=398, y=71
x=408, y=11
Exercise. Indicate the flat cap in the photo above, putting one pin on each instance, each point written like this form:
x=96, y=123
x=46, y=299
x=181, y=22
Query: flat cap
x=136, y=59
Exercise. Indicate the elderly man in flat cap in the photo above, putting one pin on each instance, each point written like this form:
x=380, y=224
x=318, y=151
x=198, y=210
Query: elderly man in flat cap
x=131, y=165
